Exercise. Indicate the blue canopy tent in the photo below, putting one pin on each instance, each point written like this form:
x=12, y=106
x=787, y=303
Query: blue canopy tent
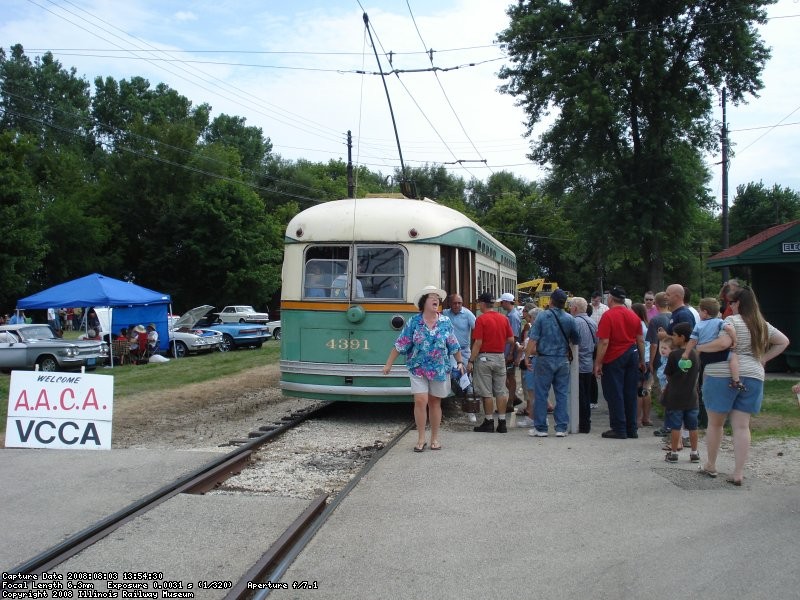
x=131, y=303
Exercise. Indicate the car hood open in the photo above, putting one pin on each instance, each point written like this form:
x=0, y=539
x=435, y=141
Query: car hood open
x=190, y=317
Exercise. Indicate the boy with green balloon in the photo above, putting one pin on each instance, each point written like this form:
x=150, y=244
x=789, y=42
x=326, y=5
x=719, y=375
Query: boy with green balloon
x=680, y=396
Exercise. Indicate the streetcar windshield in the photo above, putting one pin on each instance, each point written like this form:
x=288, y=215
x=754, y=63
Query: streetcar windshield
x=380, y=272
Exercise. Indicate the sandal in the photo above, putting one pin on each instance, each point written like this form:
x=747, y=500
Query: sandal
x=420, y=448
x=706, y=471
x=436, y=446
x=736, y=482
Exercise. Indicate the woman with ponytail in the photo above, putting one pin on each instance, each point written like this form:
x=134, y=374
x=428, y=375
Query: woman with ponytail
x=757, y=342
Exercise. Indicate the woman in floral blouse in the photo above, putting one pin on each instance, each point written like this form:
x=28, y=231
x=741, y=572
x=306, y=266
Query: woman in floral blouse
x=427, y=341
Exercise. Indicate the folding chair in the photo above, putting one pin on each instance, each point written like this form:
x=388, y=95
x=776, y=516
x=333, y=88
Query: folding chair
x=121, y=350
x=138, y=353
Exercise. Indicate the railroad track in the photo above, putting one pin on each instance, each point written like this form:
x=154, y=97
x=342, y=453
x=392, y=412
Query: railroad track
x=278, y=555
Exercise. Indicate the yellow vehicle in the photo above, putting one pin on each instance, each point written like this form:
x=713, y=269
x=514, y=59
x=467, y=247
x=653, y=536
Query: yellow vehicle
x=537, y=291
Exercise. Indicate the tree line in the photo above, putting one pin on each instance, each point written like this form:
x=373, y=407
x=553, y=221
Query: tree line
x=134, y=181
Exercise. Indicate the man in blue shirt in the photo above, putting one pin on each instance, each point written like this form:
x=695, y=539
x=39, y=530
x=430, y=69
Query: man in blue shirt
x=551, y=334
x=680, y=312
x=463, y=321
x=17, y=318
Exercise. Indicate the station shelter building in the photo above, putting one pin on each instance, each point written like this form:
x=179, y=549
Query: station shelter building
x=770, y=261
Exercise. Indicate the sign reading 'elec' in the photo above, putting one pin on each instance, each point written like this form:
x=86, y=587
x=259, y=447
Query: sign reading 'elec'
x=789, y=247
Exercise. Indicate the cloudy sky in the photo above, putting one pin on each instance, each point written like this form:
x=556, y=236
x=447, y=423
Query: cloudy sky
x=292, y=68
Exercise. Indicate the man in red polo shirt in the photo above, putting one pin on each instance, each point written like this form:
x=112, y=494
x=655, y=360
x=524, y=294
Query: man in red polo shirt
x=491, y=337
x=620, y=358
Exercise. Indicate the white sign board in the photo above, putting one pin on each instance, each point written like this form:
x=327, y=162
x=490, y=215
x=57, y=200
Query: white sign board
x=788, y=247
x=65, y=411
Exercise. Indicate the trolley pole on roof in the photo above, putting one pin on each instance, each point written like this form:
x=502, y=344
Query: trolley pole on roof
x=407, y=187
x=351, y=190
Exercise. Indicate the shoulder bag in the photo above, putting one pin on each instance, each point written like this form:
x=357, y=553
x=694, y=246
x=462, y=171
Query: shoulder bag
x=564, y=333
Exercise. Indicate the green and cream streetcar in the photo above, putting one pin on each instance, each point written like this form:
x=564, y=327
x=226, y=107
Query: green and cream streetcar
x=350, y=273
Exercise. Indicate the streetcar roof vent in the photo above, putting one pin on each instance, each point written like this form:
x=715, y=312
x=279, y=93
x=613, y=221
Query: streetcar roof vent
x=397, y=195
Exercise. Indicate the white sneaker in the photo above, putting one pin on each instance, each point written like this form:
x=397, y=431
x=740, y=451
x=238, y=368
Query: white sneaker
x=524, y=421
x=537, y=433
x=561, y=434
x=472, y=418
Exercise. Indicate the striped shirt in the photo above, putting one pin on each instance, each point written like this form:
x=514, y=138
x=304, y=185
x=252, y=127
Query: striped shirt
x=749, y=366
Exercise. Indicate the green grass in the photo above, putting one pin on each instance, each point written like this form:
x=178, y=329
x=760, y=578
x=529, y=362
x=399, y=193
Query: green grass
x=135, y=379
x=780, y=415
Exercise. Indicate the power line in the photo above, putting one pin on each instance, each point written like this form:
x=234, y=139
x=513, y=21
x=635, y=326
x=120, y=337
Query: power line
x=256, y=106
x=769, y=130
x=764, y=126
x=92, y=122
x=264, y=52
x=159, y=159
x=340, y=71
x=447, y=99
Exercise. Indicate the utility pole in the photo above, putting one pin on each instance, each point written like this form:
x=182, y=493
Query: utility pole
x=725, y=240
x=351, y=189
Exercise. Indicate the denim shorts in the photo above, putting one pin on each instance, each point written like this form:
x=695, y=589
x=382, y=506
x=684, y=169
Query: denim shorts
x=528, y=379
x=720, y=398
x=674, y=419
x=421, y=385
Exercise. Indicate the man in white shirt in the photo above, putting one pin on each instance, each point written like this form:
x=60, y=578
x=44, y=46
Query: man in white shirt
x=598, y=308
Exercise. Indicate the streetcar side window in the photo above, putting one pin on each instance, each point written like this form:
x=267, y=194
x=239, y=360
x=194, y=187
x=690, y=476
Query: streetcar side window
x=381, y=271
x=326, y=274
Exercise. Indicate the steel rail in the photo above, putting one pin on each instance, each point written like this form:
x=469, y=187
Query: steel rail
x=294, y=550
x=201, y=479
x=278, y=549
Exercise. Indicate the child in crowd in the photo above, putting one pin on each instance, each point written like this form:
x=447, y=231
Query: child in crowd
x=665, y=348
x=680, y=396
x=707, y=330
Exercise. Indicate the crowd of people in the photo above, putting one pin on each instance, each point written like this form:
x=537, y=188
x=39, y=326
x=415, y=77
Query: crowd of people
x=705, y=366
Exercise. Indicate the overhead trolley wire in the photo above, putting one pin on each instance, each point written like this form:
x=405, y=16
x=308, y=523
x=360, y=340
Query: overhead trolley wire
x=450, y=104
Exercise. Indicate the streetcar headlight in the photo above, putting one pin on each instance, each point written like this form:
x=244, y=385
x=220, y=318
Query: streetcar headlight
x=398, y=322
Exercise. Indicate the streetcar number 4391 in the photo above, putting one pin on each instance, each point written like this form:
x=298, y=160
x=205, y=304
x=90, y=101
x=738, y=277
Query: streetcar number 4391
x=347, y=344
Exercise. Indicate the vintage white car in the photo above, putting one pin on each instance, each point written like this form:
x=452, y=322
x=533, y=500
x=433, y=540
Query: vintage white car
x=185, y=338
x=275, y=329
x=242, y=314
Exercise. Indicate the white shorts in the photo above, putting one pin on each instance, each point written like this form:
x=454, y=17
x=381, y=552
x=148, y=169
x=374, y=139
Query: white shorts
x=421, y=385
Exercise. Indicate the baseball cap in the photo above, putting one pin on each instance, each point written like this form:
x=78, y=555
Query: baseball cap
x=618, y=292
x=559, y=295
x=506, y=297
x=486, y=297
